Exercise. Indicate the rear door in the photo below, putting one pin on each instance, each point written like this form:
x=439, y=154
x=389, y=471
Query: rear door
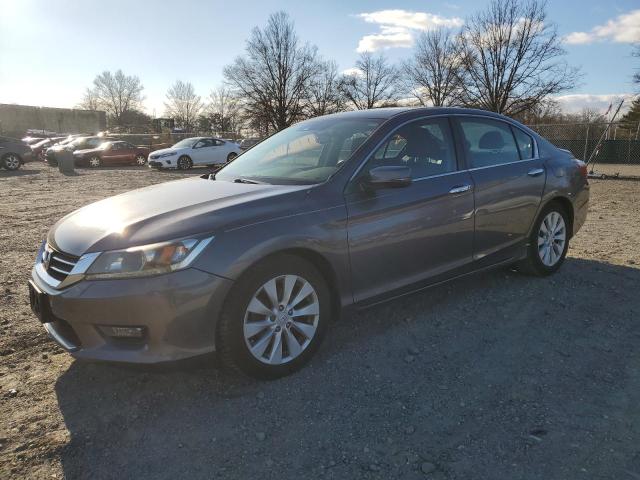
x=509, y=180
x=403, y=236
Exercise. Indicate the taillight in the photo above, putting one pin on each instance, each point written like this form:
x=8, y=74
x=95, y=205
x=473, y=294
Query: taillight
x=582, y=168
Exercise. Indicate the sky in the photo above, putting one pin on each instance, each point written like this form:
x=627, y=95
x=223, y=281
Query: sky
x=51, y=50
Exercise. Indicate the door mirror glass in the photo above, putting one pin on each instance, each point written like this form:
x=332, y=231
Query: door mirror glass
x=391, y=176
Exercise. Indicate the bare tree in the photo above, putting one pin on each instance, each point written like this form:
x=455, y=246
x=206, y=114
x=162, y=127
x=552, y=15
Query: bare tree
x=512, y=57
x=183, y=105
x=433, y=73
x=273, y=76
x=116, y=93
x=636, y=75
x=324, y=95
x=373, y=83
x=89, y=100
x=224, y=110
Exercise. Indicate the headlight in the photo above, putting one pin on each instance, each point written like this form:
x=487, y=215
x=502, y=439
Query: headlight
x=147, y=259
x=168, y=154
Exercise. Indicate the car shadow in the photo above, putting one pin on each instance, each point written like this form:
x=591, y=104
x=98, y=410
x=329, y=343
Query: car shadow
x=460, y=371
x=18, y=173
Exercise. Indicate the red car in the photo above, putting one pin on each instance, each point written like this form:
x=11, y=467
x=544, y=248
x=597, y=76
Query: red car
x=112, y=153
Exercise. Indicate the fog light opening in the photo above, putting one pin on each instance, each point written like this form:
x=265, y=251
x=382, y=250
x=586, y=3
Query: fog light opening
x=122, y=332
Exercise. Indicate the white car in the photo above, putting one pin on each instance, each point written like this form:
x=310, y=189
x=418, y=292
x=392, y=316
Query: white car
x=195, y=151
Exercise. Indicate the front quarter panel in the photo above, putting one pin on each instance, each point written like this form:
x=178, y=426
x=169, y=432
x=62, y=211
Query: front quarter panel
x=317, y=229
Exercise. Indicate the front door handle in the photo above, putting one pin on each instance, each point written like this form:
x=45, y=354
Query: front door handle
x=460, y=189
x=535, y=172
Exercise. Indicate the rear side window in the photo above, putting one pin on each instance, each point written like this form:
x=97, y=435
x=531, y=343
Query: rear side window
x=488, y=142
x=525, y=143
x=425, y=146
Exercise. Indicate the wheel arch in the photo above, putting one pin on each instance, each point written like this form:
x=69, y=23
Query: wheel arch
x=566, y=205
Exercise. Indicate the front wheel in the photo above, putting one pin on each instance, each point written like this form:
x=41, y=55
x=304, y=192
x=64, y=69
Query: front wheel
x=548, y=243
x=11, y=161
x=141, y=160
x=275, y=318
x=95, y=162
x=231, y=156
x=184, y=163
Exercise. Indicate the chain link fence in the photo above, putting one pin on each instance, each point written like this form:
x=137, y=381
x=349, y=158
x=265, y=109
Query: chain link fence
x=621, y=144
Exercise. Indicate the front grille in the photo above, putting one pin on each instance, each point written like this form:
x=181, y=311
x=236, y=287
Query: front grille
x=58, y=264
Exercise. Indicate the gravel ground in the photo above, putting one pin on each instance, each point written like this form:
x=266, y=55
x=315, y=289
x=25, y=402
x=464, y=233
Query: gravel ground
x=497, y=376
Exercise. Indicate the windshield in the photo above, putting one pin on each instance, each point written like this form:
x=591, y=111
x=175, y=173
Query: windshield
x=187, y=142
x=306, y=153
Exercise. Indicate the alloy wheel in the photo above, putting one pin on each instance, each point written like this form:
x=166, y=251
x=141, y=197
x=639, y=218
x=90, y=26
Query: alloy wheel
x=140, y=160
x=552, y=237
x=11, y=162
x=281, y=319
x=94, y=162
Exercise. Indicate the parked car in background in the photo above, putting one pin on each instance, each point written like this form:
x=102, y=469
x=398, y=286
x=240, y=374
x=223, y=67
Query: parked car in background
x=31, y=140
x=13, y=153
x=195, y=151
x=80, y=143
x=111, y=153
x=247, y=143
x=39, y=148
x=335, y=212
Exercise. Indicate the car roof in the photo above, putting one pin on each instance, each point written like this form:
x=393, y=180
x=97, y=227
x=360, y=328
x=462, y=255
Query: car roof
x=390, y=112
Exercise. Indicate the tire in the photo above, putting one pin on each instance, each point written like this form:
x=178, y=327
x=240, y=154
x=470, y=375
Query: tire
x=140, y=160
x=240, y=329
x=545, y=254
x=184, y=163
x=231, y=156
x=11, y=161
x=95, y=162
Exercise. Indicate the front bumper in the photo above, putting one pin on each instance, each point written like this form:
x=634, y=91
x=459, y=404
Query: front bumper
x=177, y=311
x=161, y=163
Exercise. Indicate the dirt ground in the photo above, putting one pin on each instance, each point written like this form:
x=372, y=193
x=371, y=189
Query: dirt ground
x=497, y=376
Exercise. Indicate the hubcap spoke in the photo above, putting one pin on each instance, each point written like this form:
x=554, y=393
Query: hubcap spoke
x=272, y=291
x=304, y=292
x=254, y=328
x=312, y=309
x=292, y=344
x=289, y=283
x=276, y=350
x=307, y=330
x=256, y=306
x=261, y=345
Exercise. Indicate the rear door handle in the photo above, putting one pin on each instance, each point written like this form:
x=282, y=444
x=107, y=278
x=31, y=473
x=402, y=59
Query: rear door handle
x=460, y=189
x=535, y=172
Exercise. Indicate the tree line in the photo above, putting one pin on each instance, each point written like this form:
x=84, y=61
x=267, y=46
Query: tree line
x=507, y=58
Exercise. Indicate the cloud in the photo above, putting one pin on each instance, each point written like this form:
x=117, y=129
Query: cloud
x=624, y=28
x=575, y=103
x=398, y=27
x=352, y=71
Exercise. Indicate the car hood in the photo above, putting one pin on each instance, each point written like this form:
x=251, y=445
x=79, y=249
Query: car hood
x=171, y=210
x=166, y=150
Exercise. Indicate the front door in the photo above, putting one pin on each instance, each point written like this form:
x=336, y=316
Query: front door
x=509, y=181
x=401, y=236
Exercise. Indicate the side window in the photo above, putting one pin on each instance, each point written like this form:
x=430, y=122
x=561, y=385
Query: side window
x=205, y=142
x=217, y=143
x=425, y=146
x=525, y=143
x=488, y=142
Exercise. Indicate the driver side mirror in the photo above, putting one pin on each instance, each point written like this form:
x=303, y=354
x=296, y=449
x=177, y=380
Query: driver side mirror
x=391, y=176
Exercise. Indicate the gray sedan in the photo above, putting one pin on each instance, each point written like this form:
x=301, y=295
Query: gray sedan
x=333, y=213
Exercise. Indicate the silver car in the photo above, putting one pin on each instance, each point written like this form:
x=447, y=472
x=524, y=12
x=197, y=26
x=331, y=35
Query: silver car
x=334, y=213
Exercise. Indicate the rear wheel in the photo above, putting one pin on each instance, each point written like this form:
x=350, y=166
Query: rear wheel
x=231, y=156
x=141, y=160
x=95, y=162
x=548, y=243
x=275, y=318
x=11, y=161
x=184, y=163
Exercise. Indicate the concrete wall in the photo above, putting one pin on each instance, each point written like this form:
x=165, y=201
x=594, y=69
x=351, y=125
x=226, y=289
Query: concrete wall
x=15, y=120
